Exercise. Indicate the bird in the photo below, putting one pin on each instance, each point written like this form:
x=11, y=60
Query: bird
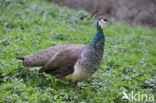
x=73, y=62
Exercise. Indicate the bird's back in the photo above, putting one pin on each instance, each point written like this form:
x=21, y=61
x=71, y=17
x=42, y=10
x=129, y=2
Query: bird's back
x=41, y=57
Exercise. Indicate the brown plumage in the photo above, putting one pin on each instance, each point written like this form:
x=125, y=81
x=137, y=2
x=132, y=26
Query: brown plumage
x=57, y=60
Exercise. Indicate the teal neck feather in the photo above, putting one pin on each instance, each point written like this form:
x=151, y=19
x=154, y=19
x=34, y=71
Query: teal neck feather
x=99, y=38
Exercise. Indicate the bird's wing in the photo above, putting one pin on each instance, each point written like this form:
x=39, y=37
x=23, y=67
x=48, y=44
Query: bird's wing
x=62, y=62
x=41, y=57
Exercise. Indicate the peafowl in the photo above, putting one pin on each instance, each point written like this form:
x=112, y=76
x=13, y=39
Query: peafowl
x=70, y=62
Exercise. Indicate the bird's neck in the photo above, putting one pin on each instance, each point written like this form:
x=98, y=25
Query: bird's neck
x=99, y=38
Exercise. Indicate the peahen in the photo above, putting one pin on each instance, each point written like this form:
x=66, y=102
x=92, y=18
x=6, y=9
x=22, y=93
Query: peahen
x=70, y=62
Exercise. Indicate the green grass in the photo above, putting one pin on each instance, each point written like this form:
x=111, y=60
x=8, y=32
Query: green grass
x=26, y=26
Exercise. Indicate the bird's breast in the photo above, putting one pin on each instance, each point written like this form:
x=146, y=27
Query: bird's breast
x=78, y=75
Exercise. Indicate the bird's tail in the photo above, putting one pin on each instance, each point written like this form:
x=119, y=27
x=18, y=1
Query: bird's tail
x=20, y=57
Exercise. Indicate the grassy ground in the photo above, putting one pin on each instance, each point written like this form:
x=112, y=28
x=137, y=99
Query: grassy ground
x=28, y=26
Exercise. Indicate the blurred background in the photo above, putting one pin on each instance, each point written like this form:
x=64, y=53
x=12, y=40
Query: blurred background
x=132, y=11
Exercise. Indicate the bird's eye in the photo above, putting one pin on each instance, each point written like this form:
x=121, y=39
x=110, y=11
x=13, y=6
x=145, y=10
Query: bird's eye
x=105, y=19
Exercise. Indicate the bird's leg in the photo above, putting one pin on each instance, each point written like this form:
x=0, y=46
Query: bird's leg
x=75, y=85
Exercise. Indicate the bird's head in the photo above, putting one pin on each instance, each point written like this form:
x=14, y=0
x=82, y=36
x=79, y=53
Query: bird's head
x=102, y=21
